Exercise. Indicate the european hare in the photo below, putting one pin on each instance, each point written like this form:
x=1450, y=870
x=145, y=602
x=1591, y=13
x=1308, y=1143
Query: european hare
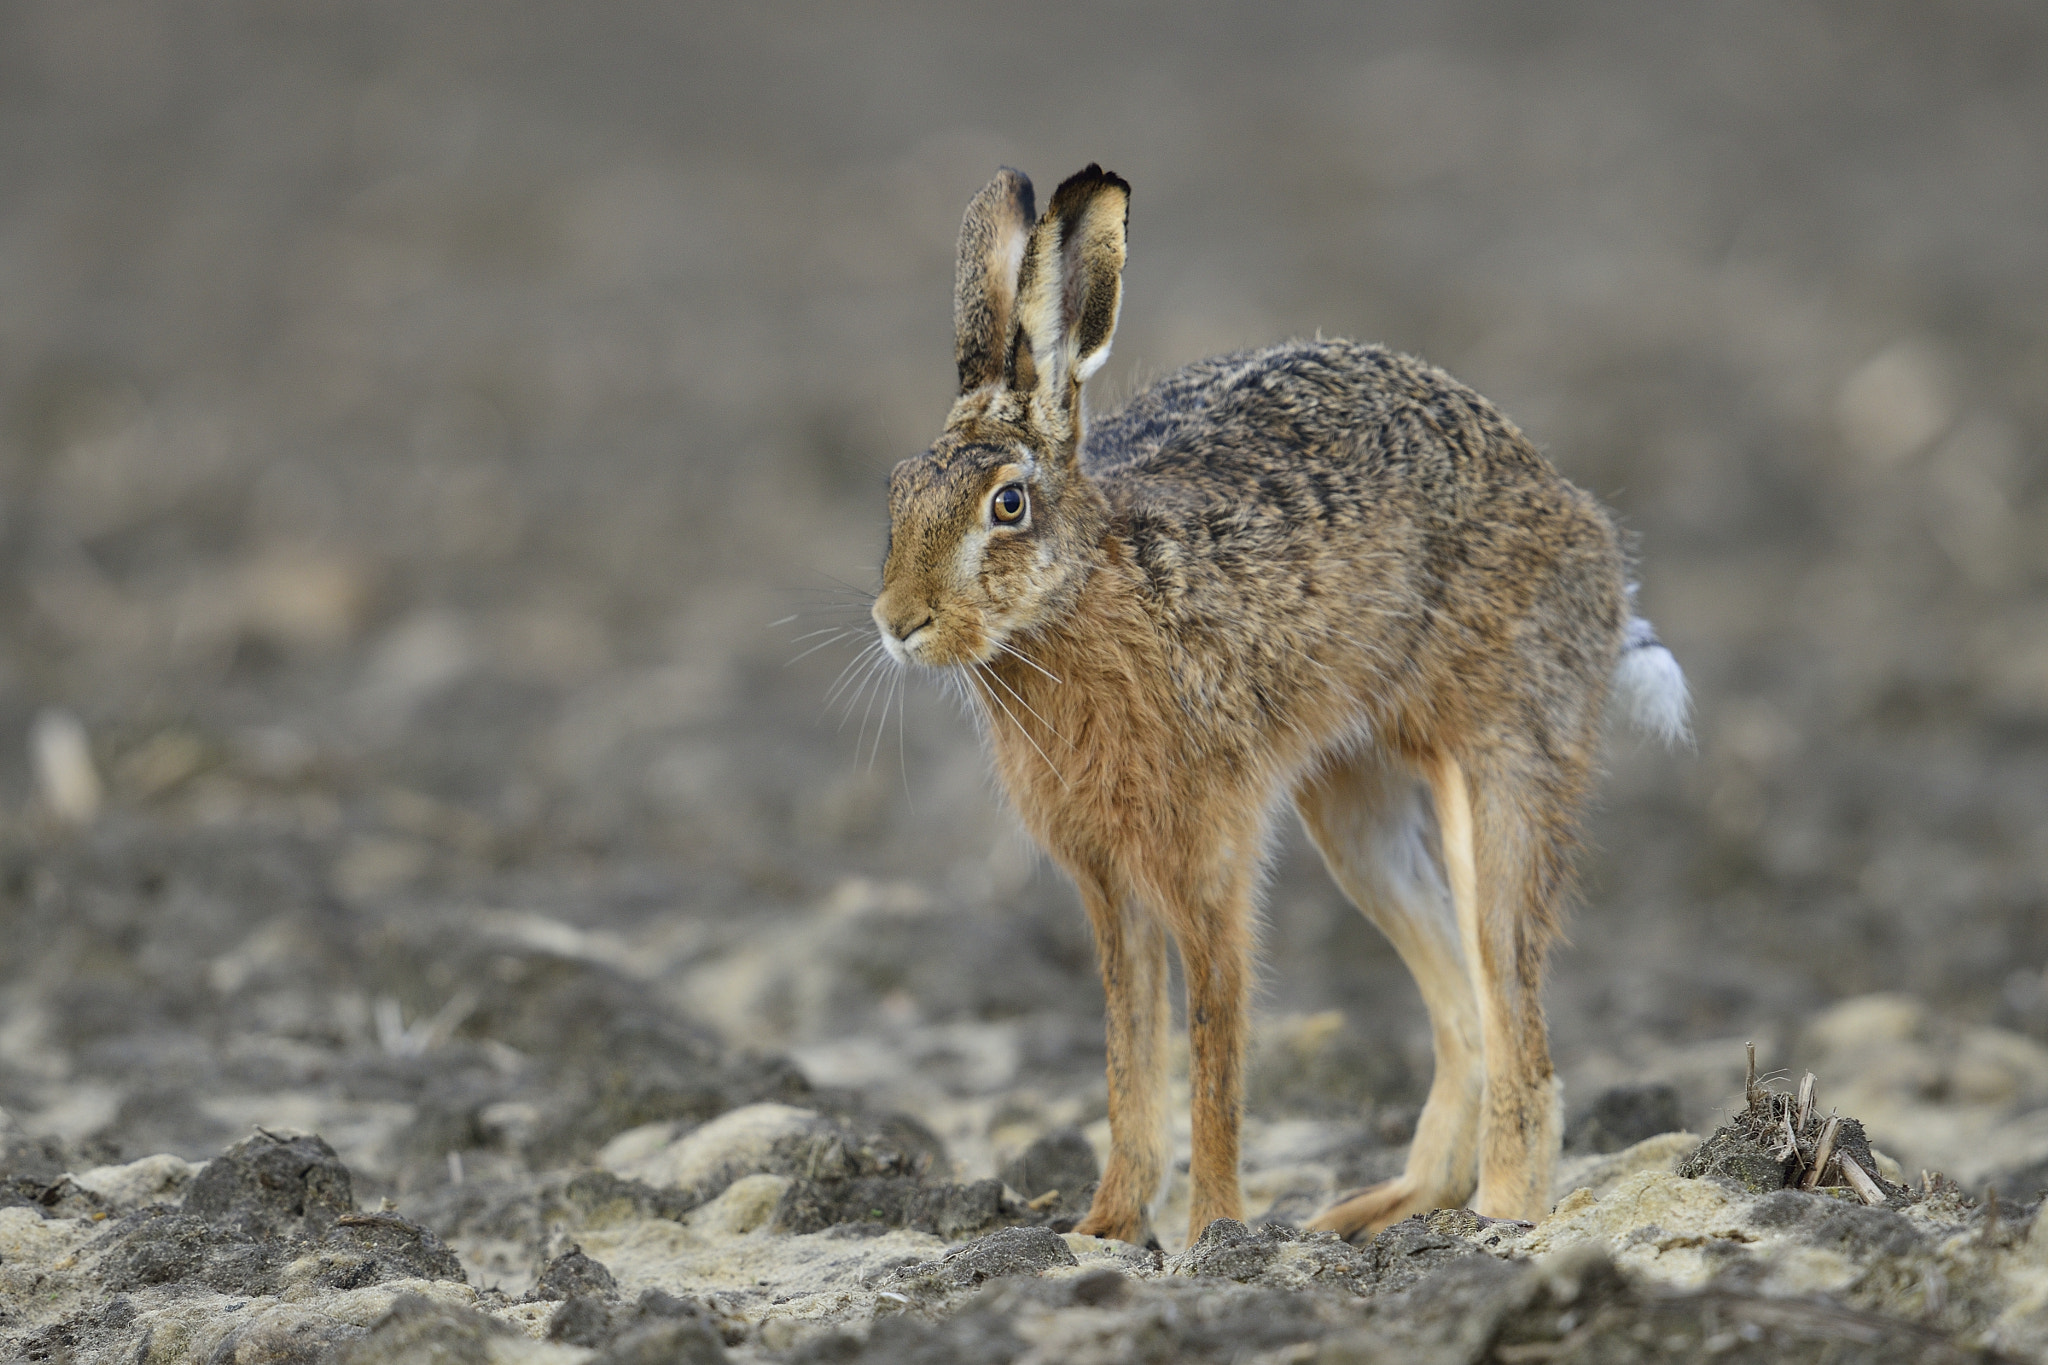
x=1320, y=571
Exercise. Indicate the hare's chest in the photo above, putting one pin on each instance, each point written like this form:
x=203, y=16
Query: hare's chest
x=1079, y=753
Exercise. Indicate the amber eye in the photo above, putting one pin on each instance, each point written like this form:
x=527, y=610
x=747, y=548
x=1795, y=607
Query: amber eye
x=1009, y=503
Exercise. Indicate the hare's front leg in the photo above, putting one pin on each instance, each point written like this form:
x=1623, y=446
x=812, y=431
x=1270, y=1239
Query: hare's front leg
x=1131, y=947
x=1215, y=955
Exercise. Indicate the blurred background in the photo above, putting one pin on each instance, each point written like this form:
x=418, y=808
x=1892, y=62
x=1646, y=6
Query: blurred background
x=415, y=421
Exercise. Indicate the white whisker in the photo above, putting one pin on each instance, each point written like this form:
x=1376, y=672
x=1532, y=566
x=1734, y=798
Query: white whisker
x=894, y=681
x=902, y=762
x=841, y=682
x=836, y=637
x=1020, y=727
x=1029, y=707
x=868, y=677
x=1014, y=652
x=861, y=735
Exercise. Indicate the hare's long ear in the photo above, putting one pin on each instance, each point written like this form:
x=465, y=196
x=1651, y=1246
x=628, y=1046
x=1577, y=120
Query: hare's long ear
x=1069, y=289
x=992, y=238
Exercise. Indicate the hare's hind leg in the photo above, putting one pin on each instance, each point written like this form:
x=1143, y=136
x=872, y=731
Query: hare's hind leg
x=1506, y=873
x=1370, y=816
x=1131, y=946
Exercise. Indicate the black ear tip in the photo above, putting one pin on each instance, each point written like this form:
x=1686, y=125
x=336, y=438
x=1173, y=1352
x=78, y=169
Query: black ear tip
x=1086, y=182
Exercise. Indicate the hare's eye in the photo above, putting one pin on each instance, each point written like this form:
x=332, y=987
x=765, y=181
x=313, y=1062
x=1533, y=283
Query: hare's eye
x=1009, y=503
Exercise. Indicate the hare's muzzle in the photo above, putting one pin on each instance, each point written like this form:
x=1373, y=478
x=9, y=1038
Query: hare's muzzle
x=902, y=628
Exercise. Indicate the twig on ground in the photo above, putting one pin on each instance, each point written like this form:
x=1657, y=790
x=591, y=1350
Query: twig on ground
x=1866, y=1188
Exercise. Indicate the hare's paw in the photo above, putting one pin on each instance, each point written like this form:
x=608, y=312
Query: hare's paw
x=1117, y=1226
x=1362, y=1213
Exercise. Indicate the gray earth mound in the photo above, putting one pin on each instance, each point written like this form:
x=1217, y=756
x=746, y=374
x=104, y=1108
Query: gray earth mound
x=1668, y=1256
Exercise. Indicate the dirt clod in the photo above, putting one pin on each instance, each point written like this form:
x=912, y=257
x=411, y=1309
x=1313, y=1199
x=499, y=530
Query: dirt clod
x=272, y=1184
x=572, y=1275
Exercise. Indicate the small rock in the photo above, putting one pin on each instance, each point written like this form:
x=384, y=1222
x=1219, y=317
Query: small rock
x=420, y=1331
x=269, y=1185
x=570, y=1275
x=1273, y=1256
x=1006, y=1251
x=1230, y=1250
x=946, y=1210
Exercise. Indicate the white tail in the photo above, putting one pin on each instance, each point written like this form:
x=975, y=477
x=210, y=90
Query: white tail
x=1650, y=686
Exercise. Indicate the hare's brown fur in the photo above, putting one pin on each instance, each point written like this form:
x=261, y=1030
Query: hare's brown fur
x=1319, y=571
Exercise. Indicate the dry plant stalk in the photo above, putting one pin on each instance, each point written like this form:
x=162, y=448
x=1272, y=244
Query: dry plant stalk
x=1866, y=1188
x=1823, y=1151
x=1790, y=1148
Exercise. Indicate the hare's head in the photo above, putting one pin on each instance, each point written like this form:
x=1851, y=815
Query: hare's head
x=994, y=529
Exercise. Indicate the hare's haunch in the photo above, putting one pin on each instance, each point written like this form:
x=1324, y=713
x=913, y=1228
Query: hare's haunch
x=1321, y=572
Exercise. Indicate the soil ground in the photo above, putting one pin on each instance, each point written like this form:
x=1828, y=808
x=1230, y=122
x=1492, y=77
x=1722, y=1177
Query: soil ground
x=416, y=421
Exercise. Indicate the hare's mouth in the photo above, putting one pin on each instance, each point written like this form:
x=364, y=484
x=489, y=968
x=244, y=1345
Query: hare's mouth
x=933, y=644
x=908, y=647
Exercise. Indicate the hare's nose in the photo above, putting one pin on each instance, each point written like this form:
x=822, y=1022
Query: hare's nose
x=904, y=624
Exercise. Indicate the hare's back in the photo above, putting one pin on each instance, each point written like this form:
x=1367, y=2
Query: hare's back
x=1323, y=421
x=1310, y=459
